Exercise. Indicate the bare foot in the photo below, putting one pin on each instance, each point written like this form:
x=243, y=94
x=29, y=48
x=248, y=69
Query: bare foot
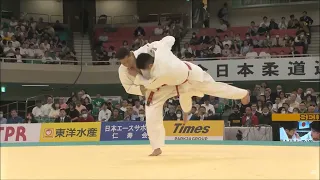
x=246, y=99
x=156, y=152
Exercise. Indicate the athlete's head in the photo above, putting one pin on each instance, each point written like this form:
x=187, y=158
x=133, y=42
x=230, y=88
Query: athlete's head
x=290, y=128
x=144, y=61
x=126, y=57
x=315, y=130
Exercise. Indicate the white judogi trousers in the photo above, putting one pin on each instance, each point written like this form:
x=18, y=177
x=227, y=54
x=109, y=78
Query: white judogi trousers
x=154, y=112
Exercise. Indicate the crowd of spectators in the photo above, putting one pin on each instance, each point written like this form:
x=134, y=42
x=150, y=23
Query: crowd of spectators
x=233, y=45
x=81, y=107
x=22, y=40
x=103, y=54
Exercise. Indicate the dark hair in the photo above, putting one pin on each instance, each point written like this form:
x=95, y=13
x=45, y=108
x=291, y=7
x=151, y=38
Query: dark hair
x=252, y=22
x=63, y=110
x=283, y=17
x=291, y=16
x=281, y=108
x=84, y=110
x=143, y=60
x=315, y=125
x=289, y=125
x=265, y=17
x=305, y=12
x=122, y=53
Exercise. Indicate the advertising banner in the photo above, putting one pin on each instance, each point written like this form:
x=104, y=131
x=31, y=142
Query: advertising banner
x=70, y=132
x=130, y=130
x=19, y=133
x=194, y=130
x=298, y=127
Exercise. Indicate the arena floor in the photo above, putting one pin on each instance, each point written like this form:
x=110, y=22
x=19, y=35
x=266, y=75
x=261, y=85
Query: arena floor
x=177, y=162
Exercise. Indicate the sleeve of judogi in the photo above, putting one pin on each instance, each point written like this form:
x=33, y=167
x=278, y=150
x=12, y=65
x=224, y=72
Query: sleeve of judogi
x=167, y=41
x=152, y=83
x=127, y=83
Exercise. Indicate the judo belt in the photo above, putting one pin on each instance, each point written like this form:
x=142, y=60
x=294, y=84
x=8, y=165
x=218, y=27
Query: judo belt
x=150, y=97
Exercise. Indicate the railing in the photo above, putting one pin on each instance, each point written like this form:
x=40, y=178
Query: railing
x=8, y=107
x=70, y=62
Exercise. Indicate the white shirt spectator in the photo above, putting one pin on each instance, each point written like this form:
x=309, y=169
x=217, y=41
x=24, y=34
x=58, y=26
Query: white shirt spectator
x=283, y=25
x=13, y=23
x=54, y=113
x=184, y=50
x=45, y=47
x=31, y=52
x=209, y=107
x=124, y=109
x=19, y=58
x=15, y=44
x=104, y=115
x=217, y=49
x=264, y=55
x=7, y=49
x=227, y=42
x=46, y=109
x=37, y=112
x=39, y=53
x=23, y=51
x=158, y=31
x=251, y=55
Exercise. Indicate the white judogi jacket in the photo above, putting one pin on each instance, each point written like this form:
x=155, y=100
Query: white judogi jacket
x=169, y=69
x=130, y=83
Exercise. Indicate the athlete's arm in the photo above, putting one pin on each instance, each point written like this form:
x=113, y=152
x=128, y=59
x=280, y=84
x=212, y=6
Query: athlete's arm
x=127, y=83
x=153, y=83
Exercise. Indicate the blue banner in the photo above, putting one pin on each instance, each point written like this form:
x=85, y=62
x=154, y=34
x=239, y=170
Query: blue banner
x=126, y=130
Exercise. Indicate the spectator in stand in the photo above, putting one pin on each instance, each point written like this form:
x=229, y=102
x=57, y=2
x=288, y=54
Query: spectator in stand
x=116, y=116
x=245, y=48
x=14, y=119
x=171, y=115
x=234, y=117
x=139, y=31
x=295, y=111
x=254, y=109
x=226, y=51
x=223, y=27
x=176, y=33
x=293, y=22
x=207, y=105
x=192, y=112
x=265, y=117
x=306, y=20
x=37, y=111
x=309, y=100
x=249, y=119
x=15, y=43
x=47, y=107
x=226, y=41
x=303, y=107
x=137, y=107
x=2, y=119
x=194, y=39
x=312, y=109
x=85, y=116
x=253, y=29
x=9, y=51
x=54, y=113
x=125, y=44
x=267, y=42
x=124, y=106
x=30, y=119
x=288, y=41
x=62, y=104
x=79, y=106
x=283, y=24
x=251, y=54
x=233, y=53
x=158, y=30
x=301, y=40
x=62, y=117
x=129, y=115
x=186, y=49
x=201, y=115
x=72, y=113
x=141, y=115
x=88, y=105
x=277, y=42
x=223, y=13
x=105, y=113
x=293, y=102
x=273, y=24
x=264, y=26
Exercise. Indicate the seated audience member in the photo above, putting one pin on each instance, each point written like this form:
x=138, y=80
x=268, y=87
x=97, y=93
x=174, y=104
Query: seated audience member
x=277, y=42
x=79, y=106
x=265, y=117
x=85, y=116
x=194, y=39
x=234, y=118
x=139, y=31
x=293, y=52
x=253, y=29
x=283, y=24
x=116, y=116
x=137, y=107
x=303, y=107
x=158, y=30
x=2, y=119
x=192, y=112
x=129, y=115
x=55, y=111
x=179, y=115
x=171, y=114
x=245, y=49
x=255, y=109
x=37, y=111
x=141, y=115
x=72, y=113
x=15, y=118
x=204, y=40
x=305, y=19
x=207, y=104
x=273, y=24
x=264, y=26
x=201, y=115
x=249, y=119
x=63, y=117
x=311, y=109
x=267, y=42
x=293, y=22
x=186, y=49
x=295, y=111
x=88, y=105
x=9, y=51
x=251, y=54
x=62, y=103
x=105, y=113
x=223, y=26
x=30, y=119
x=226, y=51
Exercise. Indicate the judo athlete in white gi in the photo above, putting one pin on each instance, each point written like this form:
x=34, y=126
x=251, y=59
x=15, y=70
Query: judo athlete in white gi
x=154, y=111
x=166, y=68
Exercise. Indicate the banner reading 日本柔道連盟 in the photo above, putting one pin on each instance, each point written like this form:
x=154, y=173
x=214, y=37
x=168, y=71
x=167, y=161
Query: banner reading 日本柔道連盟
x=70, y=132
